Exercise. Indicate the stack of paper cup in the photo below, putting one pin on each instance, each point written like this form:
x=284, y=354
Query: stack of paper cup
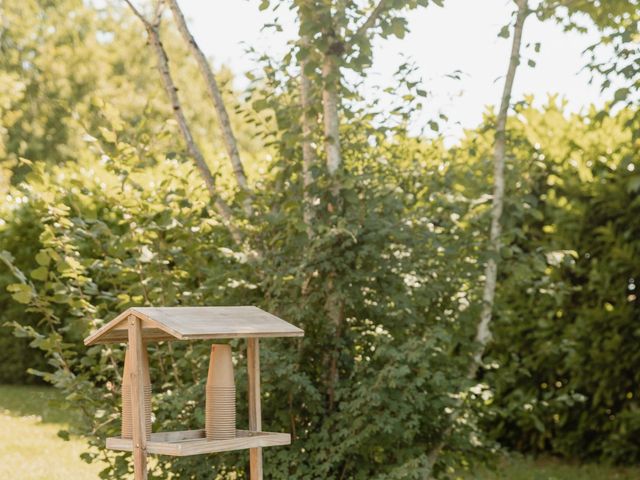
x=127, y=415
x=220, y=408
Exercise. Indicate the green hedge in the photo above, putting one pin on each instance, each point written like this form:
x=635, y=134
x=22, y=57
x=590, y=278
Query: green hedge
x=19, y=233
x=568, y=316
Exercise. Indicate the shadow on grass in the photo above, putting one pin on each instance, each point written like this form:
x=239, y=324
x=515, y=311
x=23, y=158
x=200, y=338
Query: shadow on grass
x=39, y=401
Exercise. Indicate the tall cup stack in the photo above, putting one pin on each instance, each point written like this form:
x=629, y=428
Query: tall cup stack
x=220, y=408
x=127, y=413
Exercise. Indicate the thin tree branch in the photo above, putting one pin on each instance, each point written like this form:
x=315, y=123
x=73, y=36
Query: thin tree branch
x=483, y=333
x=137, y=13
x=228, y=136
x=193, y=149
x=371, y=20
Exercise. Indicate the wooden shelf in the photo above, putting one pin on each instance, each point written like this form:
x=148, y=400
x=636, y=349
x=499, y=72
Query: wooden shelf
x=194, y=442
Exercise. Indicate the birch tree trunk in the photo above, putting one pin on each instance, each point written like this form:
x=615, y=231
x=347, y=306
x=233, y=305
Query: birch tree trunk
x=483, y=332
x=228, y=136
x=331, y=84
x=193, y=149
x=308, y=151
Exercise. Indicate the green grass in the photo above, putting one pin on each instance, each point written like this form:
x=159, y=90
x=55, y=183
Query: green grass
x=25, y=401
x=30, y=448
x=517, y=467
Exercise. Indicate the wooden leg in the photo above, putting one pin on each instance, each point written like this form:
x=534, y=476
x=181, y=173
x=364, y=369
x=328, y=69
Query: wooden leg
x=255, y=411
x=138, y=368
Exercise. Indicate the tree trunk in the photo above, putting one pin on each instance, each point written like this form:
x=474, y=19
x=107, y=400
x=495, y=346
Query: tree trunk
x=228, y=136
x=483, y=333
x=308, y=151
x=172, y=92
x=331, y=84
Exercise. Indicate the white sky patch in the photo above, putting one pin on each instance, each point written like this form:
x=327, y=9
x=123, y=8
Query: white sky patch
x=461, y=36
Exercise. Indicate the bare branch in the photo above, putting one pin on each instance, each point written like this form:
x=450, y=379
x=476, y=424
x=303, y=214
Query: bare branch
x=157, y=17
x=371, y=20
x=214, y=91
x=193, y=149
x=137, y=13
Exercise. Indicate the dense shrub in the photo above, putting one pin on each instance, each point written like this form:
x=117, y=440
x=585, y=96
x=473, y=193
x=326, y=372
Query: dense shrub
x=398, y=258
x=566, y=332
x=19, y=230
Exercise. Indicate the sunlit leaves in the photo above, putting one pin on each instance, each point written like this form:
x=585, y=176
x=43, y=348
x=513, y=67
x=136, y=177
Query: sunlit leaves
x=21, y=292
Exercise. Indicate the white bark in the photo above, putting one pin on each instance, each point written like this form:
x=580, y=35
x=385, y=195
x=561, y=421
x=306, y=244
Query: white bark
x=308, y=151
x=193, y=149
x=228, y=136
x=483, y=332
x=331, y=83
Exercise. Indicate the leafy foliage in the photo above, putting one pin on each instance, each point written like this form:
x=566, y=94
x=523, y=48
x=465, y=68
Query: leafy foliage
x=106, y=245
x=119, y=218
x=566, y=332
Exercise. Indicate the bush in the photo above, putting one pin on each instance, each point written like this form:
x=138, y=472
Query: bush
x=18, y=228
x=364, y=399
x=567, y=325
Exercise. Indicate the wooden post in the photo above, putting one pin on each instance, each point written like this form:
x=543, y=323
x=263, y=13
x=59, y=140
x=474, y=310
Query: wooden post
x=138, y=368
x=255, y=411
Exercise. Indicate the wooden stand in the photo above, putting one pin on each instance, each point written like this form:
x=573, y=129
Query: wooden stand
x=137, y=398
x=255, y=410
x=143, y=324
x=175, y=443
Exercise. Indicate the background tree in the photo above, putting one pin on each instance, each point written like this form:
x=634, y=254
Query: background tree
x=483, y=332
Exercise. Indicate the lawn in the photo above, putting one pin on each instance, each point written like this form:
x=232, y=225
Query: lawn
x=30, y=448
x=517, y=467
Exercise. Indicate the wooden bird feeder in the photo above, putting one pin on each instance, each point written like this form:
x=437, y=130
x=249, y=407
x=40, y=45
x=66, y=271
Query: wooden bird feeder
x=141, y=325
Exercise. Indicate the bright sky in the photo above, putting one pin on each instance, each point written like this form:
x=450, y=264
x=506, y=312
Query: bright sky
x=460, y=36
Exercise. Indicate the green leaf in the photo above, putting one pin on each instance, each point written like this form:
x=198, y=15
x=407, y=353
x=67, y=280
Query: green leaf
x=20, y=292
x=621, y=94
x=504, y=32
x=538, y=424
x=108, y=135
x=42, y=257
x=399, y=27
x=40, y=273
x=633, y=184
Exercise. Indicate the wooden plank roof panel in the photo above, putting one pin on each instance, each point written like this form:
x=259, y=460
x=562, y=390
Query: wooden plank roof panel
x=192, y=323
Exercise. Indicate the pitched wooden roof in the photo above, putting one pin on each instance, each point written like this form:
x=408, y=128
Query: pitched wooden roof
x=195, y=323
